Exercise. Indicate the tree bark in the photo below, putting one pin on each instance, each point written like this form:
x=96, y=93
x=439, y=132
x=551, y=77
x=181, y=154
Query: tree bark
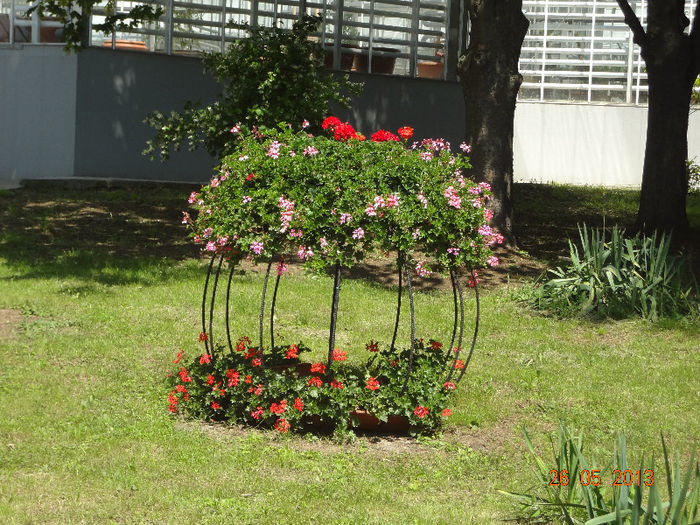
x=490, y=81
x=673, y=62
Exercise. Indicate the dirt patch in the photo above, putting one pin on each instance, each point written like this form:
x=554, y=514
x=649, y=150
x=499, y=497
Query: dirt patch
x=9, y=322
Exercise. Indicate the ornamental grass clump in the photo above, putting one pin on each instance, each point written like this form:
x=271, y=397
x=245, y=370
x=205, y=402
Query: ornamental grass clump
x=328, y=201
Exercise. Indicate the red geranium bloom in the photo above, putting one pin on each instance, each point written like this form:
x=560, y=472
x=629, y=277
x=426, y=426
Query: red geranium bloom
x=449, y=385
x=339, y=355
x=435, y=345
x=299, y=404
x=314, y=381
x=344, y=131
x=360, y=136
x=250, y=177
x=421, y=412
x=372, y=384
x=255, y=414
x=330, y=122
x=248, y=379
x=203, y=336
x=251, y=352
x=241, y=344
x=406, y=132
x=256, y=362
x=184, y=375
x=206, y=358
x=336, y=384
x=215, y=405
x=372, y=346
x=233, y=377
x=318, y=368
x=383, y=136
x=459, y=364
x=446, y=412
x=210, y=379
x=280, y=408
x=179, y=356
x=181, y=388
x=257, y=390
x=394, y=362
x=292, y=353
x=282, y=425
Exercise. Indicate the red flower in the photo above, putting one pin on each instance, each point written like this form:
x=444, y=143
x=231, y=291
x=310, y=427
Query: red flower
x=256, y=362
x=233, y=377
x=248, y=379
x=292, y=353
x=179, y=356
x=257, y=390
x=344, y=132
x=210, y=379
x=330, y=122
x=251, y=352
x=360, y=136
x=314, y=381
x=406, y=132
x=446, y=412
x=449, y=385
x=215, y=405
x=206, y=358
x=473, y=280
x=181, y=388
x=421, y=412
x=241, y=344
x=383, y=136
x=184, y=375
x=459, y=364
x=172, y=400
x=372, y=384
x=255, y=414
x=372, y=346
x=336, y=384
x=339, y=355
x=282, y=425
x=318, y=368
x=394, y=362
x=435, y=345
x=280, y=408
x=203, y=336
x=299, y=404
x=250, y=177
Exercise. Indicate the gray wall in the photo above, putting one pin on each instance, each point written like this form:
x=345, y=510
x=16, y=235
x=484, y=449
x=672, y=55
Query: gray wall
x=81, y=116
x=37, y=112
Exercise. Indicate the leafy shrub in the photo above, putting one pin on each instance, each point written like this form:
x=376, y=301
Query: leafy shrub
x=576, y=492
x=619, y=277
x=693, y=171
x=283, y=394
x=332, y=199
x=273, y=76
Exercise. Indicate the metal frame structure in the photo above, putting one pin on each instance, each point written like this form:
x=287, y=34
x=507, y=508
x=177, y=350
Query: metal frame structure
x=452, y=353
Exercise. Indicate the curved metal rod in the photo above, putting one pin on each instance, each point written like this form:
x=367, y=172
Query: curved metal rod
x=476, y=328
x=228, y=296
x=204, y=303
x=262, y=308
x=272, y=314
x=454, y=325
x=334, y=315
x=413, y=329
x=398, y=304
x=211, y=307
x=461, y=327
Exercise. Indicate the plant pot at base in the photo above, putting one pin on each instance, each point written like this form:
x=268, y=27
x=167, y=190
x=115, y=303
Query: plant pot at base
x=133, y=45
x=430, y=69
x=366, y=421
x=346, y=57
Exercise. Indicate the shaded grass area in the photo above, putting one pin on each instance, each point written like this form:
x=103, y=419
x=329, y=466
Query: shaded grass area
x=108, y=297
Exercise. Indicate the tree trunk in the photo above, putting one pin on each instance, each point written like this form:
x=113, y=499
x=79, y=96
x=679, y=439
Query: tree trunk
x=672, y=59
x=671, y=73
x=490, y=82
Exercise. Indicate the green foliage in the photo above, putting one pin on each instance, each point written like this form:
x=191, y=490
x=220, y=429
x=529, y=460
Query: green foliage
x=695, y=94
x=693, y=170
x=285, y=394
x=576, y=492
x=333, y=201
x=75, y=15
x=274, y=75
x=620, y=277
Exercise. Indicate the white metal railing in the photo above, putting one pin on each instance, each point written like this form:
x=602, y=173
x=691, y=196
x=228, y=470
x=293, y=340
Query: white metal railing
x=575, y=50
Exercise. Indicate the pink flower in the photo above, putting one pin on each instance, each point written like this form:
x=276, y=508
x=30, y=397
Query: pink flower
x=488, y=214
x=221, y=241
x=305, y=124
x=257, y=247
x=423, y=200
x=273, y=150
x=454, y=199
x=281, y=267
x=236, y=128
x=370, y=211
x=392, y=201
x=214, y=182
x=379, y=202
x=345, y=218
x=492, y=261
x=422, y=271
x=207, y=232
x=246, y=199
x=358, y=233
x=323, y=242
x=453, y=251
x=193, y=197
x=197, y=239
x=310, y=151
x=185, y=218
x=211, y=246
x=305, y=253
x=464, y=147
x=243, y=158
x=485, y=186
x=416, y=233
x=426, y=155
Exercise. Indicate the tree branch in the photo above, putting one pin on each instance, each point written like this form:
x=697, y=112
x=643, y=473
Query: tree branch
x=640, y=37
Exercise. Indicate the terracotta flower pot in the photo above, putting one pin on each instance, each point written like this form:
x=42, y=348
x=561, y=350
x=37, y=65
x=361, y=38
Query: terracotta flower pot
x=133, y=45
x=366, y=421
x=430, y=69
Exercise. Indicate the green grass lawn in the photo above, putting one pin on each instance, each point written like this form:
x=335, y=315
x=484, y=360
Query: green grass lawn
x=99, y=289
